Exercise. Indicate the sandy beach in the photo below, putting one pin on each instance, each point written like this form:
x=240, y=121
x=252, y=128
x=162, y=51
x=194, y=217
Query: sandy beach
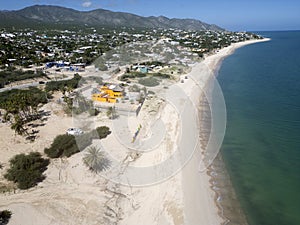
x=71, y=194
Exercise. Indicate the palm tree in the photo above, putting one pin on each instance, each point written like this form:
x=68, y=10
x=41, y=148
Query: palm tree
x=95, y=160
x=18, y=126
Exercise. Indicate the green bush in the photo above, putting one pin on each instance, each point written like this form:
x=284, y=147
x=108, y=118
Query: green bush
x=27, y=170
x=67, y=145
x=161, y=75
x=149, y=81
x=103, y=132
x=63, y=145
x=5, y=216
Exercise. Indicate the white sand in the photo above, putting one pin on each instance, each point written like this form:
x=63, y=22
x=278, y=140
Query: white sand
x=71, y=194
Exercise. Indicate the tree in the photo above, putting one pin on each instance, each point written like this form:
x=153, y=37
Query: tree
x=18, y=126
x=95, y=160
x=27, y=170
x=62, y=145
x=68, y=145
x=5, y=216
x=21, y=107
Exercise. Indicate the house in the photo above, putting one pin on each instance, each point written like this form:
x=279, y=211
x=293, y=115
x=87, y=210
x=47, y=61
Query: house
x=143, y=69
x=108, y=94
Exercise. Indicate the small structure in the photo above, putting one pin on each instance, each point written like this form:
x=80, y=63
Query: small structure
x=143, y=69
x=108, y=94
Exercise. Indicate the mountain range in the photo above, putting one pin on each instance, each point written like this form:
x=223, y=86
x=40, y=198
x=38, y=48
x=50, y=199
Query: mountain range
x=46, y=15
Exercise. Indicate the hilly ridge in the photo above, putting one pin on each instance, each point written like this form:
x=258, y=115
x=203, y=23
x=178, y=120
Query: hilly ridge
x=43, y=14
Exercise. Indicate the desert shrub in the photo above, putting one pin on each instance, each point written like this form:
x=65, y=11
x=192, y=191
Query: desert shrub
x=102, y=67
x=103, y=132
x=151, y=92
x=137, y=74
x=156, y=63
x=5, y=216
x=132, y=75
x=161, y=75
x=67, y=145
x=27, y=170
x=149, y=81
x=62, y=145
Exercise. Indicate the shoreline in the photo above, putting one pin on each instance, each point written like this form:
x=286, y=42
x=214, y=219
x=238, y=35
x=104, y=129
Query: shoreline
x=219, y=180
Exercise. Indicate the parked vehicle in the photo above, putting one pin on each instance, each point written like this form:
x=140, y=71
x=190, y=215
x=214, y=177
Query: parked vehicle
x=74, y=131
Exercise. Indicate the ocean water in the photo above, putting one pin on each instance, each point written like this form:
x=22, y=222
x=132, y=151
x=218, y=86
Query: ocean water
x=261, y=148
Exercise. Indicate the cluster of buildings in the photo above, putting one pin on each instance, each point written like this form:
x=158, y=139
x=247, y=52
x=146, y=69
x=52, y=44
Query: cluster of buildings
x=31, y=47
x=67, y=66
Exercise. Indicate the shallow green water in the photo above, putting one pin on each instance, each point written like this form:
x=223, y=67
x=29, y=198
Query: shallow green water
x=261, y=149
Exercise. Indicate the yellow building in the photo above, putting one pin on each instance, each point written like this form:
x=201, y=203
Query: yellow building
x=108, y=94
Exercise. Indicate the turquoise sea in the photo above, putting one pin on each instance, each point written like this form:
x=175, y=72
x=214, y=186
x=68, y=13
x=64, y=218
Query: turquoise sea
x=261, y=148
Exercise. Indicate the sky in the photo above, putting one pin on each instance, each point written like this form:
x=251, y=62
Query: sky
x=234, y=15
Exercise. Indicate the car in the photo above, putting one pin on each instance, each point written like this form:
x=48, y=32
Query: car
x=74, y=131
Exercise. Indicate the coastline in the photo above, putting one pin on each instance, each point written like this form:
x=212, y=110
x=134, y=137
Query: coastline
x=217, y=177
x=190, y=197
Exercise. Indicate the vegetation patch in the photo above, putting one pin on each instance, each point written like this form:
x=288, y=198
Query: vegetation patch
x=155, y=63
x=149, y=82
x=5, y=216
x=103, y=132
x=32, y=96
x=132, y=75
x=63, y=145
x=27, y=170
x=66, y=145
x=161, y=75
x=21, y=107
x=9, y=76
x=63, y=84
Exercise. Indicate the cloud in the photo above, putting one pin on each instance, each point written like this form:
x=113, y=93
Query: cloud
x=109, y=4
x=86, y=4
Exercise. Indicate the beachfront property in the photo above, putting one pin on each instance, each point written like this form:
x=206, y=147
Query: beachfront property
x=109, y=94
